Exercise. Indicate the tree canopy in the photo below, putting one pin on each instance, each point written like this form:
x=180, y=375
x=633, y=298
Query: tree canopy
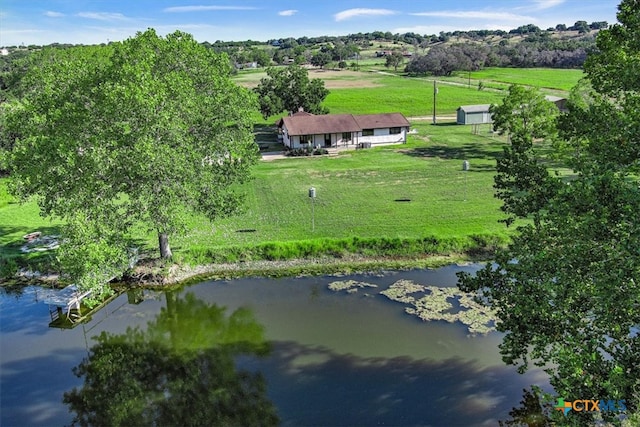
x=288, y=89
x=321, y=58
x=140, y=133
x=394, y=60
x=567, y=289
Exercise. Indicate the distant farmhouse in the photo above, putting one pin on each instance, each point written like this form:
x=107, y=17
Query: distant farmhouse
x=303, y=129
x=479, y=114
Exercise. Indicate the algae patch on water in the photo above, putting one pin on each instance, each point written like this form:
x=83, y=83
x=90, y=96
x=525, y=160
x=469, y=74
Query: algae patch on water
x=350, y=286
x=436, y=303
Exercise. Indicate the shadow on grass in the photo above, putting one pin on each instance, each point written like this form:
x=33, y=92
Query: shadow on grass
x=264, y=132
x=12, y=247
x=445, y=124
x=464, y=152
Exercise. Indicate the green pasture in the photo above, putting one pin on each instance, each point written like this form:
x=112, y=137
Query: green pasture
x=378, y=91
x=409, y=191
x=413, y=97
x=543, y=78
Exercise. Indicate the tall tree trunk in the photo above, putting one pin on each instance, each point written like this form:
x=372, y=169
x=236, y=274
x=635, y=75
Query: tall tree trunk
x=163, y=242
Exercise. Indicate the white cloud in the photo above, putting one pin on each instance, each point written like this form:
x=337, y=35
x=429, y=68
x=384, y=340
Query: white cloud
x=204, y=8
x=352, y=13
x=546, y=4
x=52, y=14
x=475, y=14
x=289, y=12
x=103, y=16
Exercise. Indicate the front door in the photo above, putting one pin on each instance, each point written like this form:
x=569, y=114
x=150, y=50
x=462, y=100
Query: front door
x=327, y=140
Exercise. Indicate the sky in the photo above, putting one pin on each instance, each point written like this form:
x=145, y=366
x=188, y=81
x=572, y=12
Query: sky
x=42, y=22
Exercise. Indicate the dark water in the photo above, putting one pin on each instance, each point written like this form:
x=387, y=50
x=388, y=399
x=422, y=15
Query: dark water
x=285, y=346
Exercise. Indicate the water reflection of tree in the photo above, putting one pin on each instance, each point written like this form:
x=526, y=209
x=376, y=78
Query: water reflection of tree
x=532, y=412
x=179, y=371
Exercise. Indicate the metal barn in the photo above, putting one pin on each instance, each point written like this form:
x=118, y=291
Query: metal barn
x=473, y=114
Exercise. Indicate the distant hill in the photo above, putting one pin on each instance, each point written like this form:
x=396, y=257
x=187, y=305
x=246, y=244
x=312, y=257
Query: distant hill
x=526, y=46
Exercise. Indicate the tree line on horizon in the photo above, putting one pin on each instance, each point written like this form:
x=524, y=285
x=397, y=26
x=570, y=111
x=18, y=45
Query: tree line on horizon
x=302, y=49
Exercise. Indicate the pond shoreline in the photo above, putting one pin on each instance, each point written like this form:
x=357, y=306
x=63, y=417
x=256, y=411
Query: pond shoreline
x=153, y=274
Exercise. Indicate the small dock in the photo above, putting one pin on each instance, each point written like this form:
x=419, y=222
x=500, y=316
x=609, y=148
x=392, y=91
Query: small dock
x=66, y=300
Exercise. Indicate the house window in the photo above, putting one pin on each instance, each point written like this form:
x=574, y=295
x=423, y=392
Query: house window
x=367, y=132
x=305, y=139
x=346, y=136
x=394, y=131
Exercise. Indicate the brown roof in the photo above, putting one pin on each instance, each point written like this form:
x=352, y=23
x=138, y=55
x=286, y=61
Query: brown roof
x=315, y=125
x=336, y=123
x=377, y=121
x=296, y=114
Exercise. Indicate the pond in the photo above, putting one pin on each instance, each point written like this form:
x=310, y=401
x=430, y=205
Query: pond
x=290, y=351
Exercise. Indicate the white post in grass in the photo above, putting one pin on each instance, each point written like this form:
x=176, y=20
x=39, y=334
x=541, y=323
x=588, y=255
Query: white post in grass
x=465, y=168
x=312, y=196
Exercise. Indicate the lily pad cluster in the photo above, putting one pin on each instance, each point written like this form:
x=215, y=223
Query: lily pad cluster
x=351, y=286
x=435, y=303
x=432, y=303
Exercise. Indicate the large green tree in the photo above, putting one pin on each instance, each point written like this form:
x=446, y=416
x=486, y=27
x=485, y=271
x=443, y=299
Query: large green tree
x=394, y=60
x=142, y=132
x=522, y=179
x=289, y=89
x=567, y=289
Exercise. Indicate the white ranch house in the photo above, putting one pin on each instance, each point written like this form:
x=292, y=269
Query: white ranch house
x=342, y=130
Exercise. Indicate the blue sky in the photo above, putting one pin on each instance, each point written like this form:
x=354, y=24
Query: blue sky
x=43, y=22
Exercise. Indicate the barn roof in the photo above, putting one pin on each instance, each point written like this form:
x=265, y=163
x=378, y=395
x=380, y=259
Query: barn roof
x=336, y=123
x=480, y=108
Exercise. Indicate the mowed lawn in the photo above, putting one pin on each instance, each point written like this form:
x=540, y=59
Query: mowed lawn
x=17, y=219
x=413, y=190
x=543, y=78
x=407, y=191
x=412, y=97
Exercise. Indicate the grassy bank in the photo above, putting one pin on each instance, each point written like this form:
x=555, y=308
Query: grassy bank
x=366, y=248
x=186, y=274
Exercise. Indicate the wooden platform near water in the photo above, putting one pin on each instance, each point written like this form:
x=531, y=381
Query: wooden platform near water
x=67, y=300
